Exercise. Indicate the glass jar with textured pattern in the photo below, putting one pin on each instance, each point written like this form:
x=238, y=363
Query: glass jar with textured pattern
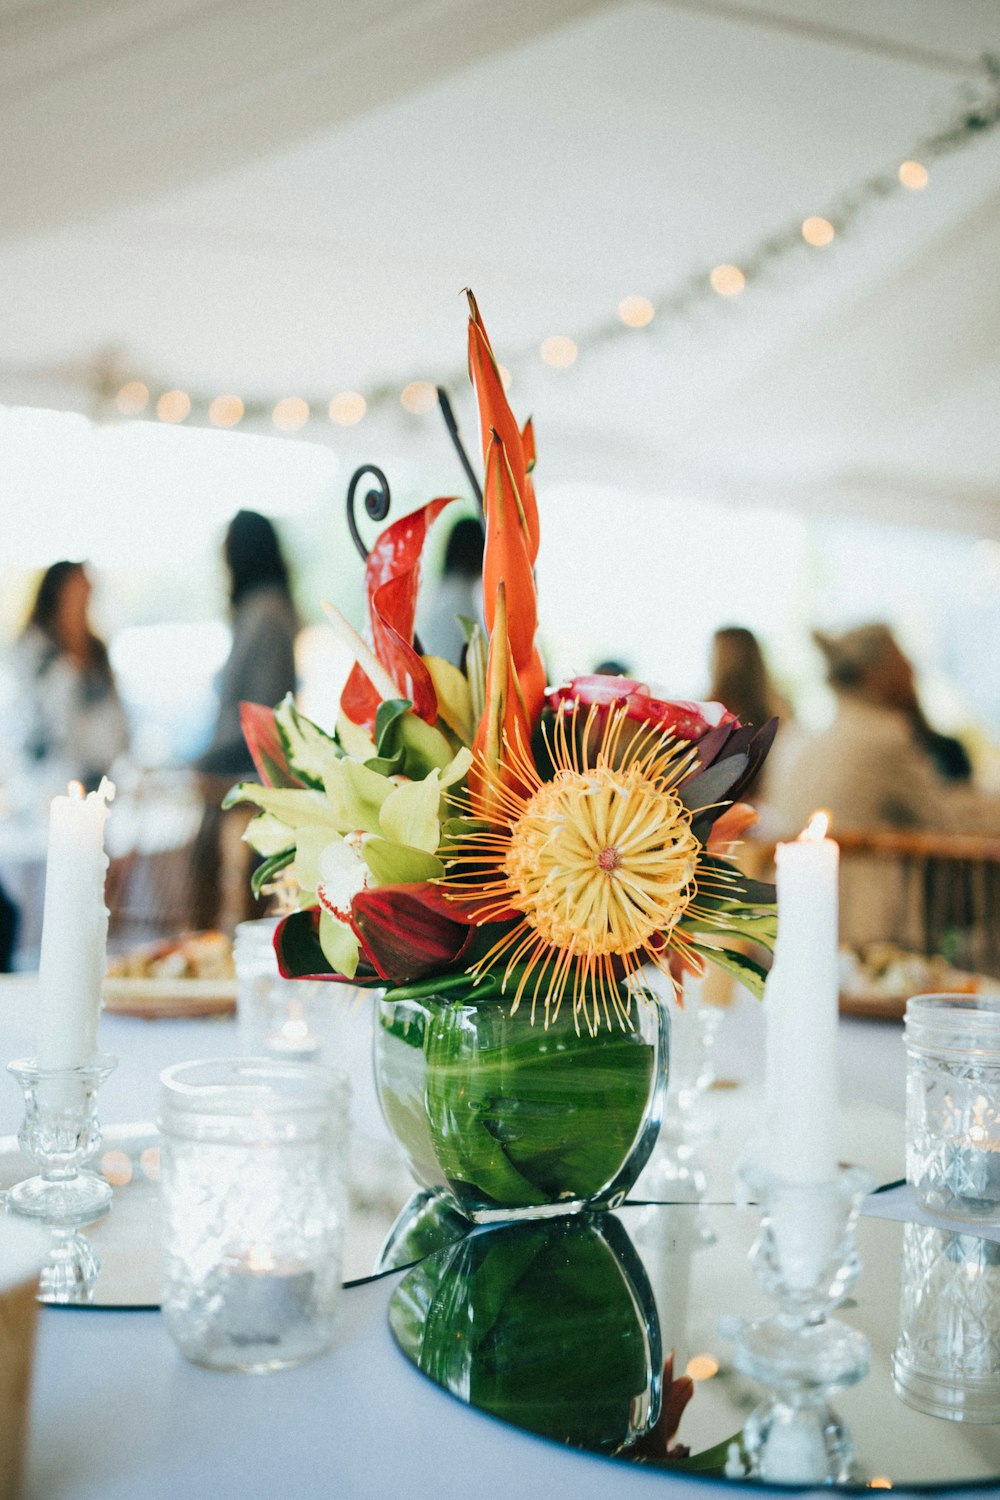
x=253, y=1163
x=947, y=1358
x=953, y=1104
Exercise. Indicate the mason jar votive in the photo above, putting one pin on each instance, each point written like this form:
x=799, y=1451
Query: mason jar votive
x=953, y=1104
x=253, y=1182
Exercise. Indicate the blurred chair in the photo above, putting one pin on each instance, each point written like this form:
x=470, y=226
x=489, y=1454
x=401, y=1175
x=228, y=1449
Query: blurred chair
x=932, y=893
x=929, y=893
x=150, y=838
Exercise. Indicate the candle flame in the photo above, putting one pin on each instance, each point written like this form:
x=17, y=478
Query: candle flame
x=815, y=829
x=75, y=790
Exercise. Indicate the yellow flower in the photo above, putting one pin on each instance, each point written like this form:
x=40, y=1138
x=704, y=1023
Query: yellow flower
x=600, y=863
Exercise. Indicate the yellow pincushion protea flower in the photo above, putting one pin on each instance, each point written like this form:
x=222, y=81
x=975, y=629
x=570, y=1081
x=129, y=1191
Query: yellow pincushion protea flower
x=600, y=862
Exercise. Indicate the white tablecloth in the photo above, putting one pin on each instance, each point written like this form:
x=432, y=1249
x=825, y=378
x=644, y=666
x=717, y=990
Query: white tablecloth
x=118, y=1413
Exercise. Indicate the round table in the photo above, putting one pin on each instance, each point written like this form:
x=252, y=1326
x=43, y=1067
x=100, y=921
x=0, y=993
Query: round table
x=117, y=1412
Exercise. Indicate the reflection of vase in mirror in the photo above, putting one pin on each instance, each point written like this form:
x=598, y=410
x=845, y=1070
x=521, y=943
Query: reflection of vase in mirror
x=947, y=1358
x=428, y=1221
x=550, y=1325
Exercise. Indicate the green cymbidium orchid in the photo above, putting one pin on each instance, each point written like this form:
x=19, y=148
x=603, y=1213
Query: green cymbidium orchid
x=365, y=828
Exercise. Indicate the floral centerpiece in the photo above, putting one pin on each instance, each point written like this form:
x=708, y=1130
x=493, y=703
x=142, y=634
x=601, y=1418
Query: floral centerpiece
x=502, y=861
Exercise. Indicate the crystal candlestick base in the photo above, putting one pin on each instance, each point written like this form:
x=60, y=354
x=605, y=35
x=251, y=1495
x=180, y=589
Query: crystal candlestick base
x=60, y=1133
x=70, y=1273
x=804, y=1257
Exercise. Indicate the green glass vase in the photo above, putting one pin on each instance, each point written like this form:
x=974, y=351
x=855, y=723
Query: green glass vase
x=513, y=1120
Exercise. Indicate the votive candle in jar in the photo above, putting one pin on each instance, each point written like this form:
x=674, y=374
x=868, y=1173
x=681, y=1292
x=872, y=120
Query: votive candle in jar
x=253, y=1172
x=953, y=1104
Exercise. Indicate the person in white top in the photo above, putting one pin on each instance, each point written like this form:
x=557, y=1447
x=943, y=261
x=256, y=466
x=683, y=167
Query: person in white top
x=68, y=717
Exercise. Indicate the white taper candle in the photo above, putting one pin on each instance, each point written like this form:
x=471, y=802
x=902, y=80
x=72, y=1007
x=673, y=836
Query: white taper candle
x=800, y=1008
x=73, y=958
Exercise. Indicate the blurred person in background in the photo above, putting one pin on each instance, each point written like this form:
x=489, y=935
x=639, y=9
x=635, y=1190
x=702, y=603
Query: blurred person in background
x=457, y=592
x=741, y=682
x=260, y=668
x=740, y=679
x=880, y=765
x=70, y=723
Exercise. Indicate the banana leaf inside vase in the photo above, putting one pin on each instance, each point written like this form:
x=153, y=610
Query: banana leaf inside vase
x=518, y=1120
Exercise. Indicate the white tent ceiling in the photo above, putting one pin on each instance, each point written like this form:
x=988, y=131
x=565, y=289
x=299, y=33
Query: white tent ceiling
x=238, y=196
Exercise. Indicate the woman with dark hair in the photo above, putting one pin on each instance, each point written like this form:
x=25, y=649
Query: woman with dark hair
x=260, y=668
x=72, y=721
x=740, y=679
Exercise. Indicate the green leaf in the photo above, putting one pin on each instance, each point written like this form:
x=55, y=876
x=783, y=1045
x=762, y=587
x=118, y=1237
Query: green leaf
x=747, y=970
x=475, y=665
x=739, y=886
x=265, y=873
x=386, y=718
x=751, y=926
x=710, y=1460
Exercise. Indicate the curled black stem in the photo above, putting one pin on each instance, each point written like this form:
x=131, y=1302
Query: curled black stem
x=452, y=426
x=377, y=502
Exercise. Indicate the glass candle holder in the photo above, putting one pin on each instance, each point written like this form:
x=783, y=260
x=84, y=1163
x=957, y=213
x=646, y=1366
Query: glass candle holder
x=60, y=1133
x=953, y=1104
x=805, y=1257
x=253, y=1171
x=291, y=1019
x=947, y=1357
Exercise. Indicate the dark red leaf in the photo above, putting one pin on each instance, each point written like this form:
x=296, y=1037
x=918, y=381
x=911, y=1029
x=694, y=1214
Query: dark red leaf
x=409, y=931
x=264, y=744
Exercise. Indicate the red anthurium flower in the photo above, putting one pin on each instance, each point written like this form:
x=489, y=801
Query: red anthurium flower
x=392, y=578
x=683, y=719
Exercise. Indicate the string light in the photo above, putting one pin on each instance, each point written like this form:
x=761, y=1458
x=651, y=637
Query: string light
x=558, y=351
x=133, y=398
x=348, y=408
x=913, y=175
x=727, y=280
x=817, y=231
x=226, y=411
x=976, y=116
x=418, y=398
x=290, y=413
x=174, y=406
x=636, y=312
x=701, y=1367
